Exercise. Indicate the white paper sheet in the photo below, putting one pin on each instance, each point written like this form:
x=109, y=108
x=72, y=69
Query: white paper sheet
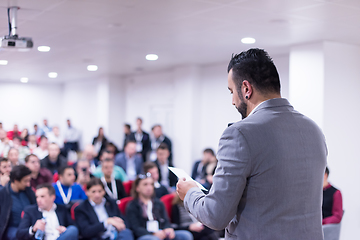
x=180, y=173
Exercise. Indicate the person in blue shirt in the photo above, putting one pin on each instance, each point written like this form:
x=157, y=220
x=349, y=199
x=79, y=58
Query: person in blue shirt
x=66, y=189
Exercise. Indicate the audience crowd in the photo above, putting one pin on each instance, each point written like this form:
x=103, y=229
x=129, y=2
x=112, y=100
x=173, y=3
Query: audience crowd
x=107, y=193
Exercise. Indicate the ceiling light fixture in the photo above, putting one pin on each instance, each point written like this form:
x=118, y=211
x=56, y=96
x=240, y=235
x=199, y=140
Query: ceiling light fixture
x=92, y=68
x=52, y=75
x=3, y=62
x=24, y=79
x=248, y=40
x=43, y=48
x=152, y=57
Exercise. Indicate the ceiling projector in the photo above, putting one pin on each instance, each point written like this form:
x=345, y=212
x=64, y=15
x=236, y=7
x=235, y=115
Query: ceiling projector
x=12, y=41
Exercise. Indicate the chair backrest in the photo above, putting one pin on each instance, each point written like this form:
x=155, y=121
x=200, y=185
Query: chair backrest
x=127, y=187
x=167, y=200
x=72, y=210
x=123, y=203
x=55, y=177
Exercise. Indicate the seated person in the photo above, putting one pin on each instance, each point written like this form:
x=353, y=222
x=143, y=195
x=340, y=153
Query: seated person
x=147, y=216
x=13, y=156
x=99, y=217
x=199, y=169
x=54, y=161
x=82, y=172
x=160, y=190
x=32, y=144
x=89, y=154
x=14, y=197
x=332, y=209
x=23, y=151
x=38, y=175
x=66, y=189
x=5, y=169
x=43, y=150
x=183, y=220
x=129, y=160
x=52, y=219
x=118, y=172
x=166, y=177
x=113, y=187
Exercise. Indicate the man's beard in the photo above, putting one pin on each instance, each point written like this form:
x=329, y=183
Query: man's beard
x=242, y=109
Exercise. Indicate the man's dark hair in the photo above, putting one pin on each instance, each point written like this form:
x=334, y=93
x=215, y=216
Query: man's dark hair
x=327, y=171
x=19, y=172
x=156, y=125
x=210, y=151
x=129, y=141
x=256, y=66
x=49, y=187
x=63, y=169
x=28, y=157
x=94, y=182
x=2, y=159
x=139, y=118
x=18, y=138
x=127, y=126
x=42, y=137
x=149, y=165
x=163, y=146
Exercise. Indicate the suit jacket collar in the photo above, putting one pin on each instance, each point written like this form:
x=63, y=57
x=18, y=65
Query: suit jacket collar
x=271, y=103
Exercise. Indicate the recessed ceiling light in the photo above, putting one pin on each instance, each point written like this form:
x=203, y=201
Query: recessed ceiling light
x=152, y=57
x=3, y=62
x=44, y=48
x=52, y=75
x=24, y=79
x=92, y=68
x=248, y=40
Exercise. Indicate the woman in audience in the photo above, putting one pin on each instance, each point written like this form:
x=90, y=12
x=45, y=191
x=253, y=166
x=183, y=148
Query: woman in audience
x=183, y=220
x=147, y=215
x=24, y=137
x=100, y=141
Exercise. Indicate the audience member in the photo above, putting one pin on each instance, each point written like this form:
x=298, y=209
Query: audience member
x=52, y=219
x=166, y=177
x=113, y=187
x=127, y=132
x=5, y=169
x=13, y=156
x=42, y=151
x=5, y=143
x=14, y=197
x=37, y=131
x=14, y=133
x=89, y=154
x=99, y=217
x=38, y=175
x=151, y=167
x=147, y=216
x=157, y=137
x=32, y=143
x=129, y=160
x=66, y=189
x=210, y=169
x=82, y=172
x=332, y=209
x=183, y=220
x=118, y=172
x=111, y=147
x=203, y=170
x=55, y=137
x=24, y=136
x=54, y=161
x=99, y=142
x=142, y=139
x=23, y=151
x=45, y=129
x=71, y=138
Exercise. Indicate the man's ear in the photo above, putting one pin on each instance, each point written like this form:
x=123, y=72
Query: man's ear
x=247, y=89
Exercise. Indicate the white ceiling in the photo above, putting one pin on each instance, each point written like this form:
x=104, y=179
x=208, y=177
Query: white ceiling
x=117, y=34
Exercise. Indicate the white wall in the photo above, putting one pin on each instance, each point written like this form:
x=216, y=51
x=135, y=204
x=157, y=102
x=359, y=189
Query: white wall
x=27, y=104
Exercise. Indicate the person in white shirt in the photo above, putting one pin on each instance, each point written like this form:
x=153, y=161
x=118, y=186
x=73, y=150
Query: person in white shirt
x=55, y=137
x=71, y=138
x=53, y=220
x=42, y=151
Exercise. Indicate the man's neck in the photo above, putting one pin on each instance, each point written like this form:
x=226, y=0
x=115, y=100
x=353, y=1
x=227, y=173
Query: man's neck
x=48, y=208
x=326, y=184
x=144, y=199
x=139, y=130
x=66, y=185
x=107, y=178
x=14, y=187
x=256, y=99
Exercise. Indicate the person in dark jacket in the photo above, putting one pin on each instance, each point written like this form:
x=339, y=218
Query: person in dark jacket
x=54, y=220
x=14, y=197
x=142, y=139
x=147, y=215
x=54, y=161
x=99, y=142
x=99, y=217
x=166, y=177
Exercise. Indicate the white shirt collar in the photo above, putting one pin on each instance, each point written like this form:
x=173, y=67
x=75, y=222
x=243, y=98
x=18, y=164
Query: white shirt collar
x=53, y=208
x=94, y=204
x=252, y=112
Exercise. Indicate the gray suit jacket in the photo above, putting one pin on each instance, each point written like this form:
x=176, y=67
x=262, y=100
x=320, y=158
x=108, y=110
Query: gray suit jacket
x=268, y=182
x=120, y=160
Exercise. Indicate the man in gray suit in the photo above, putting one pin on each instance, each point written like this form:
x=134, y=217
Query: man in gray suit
x=268, y=181
x=129, y=160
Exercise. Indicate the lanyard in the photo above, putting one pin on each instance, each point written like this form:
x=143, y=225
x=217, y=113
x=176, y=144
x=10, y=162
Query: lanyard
x=66, y=199
x=138, y=137
x=149, y=211
x=113, y=194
